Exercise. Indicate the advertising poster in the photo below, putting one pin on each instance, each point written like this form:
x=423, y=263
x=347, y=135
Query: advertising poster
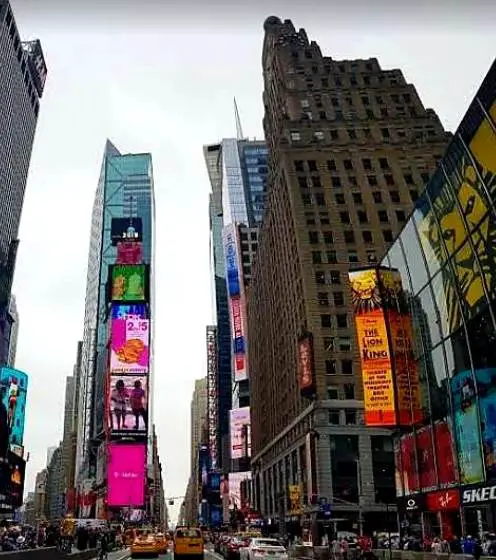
x=230, y=242
x=398, y=470
x=235, y=480
x=13, y=389
x=237, y=329
x=128, y=282
x=467, y=428
x=12, y=473
x=306, y=366
x=426, y=463
x=409, y=471
x=488, y=430
x=203, y=465
x=129, y=252
x=295, y=499
x=377, y=377
x=240, y=432
x=447, y=469
x=126, y=229
x=128, y=404
x=129, y=311
x=126, y=475
x=130, y=339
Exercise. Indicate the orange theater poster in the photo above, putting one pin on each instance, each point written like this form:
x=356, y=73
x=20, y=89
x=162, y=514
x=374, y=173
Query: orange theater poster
x=377, y=376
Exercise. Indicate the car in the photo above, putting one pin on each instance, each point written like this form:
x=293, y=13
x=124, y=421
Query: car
x=161, y=543
x=261, y=549
x=144, y=545
x=188, y=544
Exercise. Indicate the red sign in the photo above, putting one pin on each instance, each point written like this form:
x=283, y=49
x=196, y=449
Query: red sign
x=444, y=500
x=409, y=471
x=305, y=363
x=236, y=313
x=446, y=465
x=425, y=453
x=129, y=252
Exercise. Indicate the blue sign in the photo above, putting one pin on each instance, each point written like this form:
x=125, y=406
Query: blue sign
x=13, y=389
x=231, y=258
x=215, y=515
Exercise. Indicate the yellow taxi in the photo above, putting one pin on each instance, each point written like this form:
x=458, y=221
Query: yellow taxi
x=161, y=543
x=188, y=543
x=144, y=544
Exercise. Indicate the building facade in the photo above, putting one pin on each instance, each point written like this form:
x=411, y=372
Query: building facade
x=55, y=486
x=125, y=190
x=350, y=147
x=436, y=285
x=22, y=75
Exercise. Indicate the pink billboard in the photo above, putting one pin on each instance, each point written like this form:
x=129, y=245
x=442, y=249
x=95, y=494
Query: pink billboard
x=129, y=252
x=126, y=475
x=240, y=432
x=130, y=345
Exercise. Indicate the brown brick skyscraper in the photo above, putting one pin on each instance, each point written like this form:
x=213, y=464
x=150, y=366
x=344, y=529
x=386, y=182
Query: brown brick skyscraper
x=350, y=147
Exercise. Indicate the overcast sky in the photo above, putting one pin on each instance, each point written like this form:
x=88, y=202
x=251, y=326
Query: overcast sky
x=162, y=80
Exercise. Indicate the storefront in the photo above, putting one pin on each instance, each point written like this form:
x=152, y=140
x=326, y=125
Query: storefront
x=442, y=514
x=410, y=511
x=479, y=508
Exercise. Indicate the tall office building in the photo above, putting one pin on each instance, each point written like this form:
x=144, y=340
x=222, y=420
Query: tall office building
x=350, y=147
x=125, y=191
x=198, y=419
x=237, y=171
x=22, y=78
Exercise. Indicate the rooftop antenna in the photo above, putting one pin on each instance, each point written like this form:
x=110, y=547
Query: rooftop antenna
x=239, y=130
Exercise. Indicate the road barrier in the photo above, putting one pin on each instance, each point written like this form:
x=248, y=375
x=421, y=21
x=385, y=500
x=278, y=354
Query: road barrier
x=49, y=553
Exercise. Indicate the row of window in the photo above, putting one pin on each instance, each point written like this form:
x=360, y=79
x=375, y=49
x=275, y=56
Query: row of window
x=343, y=417
x=350, y=80
x=365, y=98
x=327, y=320
x=345, y=367
x=346, y=391
x=349, y=236
x=381, y=113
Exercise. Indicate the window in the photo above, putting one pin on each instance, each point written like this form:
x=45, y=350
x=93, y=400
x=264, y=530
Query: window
x=336, y=182
x=335, y=101
x=409, y=179
x=326, y=321
x=306, y=199
x=365, y=100
x=313, y=237
x=383, y=216
x=357, y=198
x=372, y=180
x=338, y=298
x=310, y=221
x=367, y=164
x=350, y=417
x=352, y=180
x=319, y=135
x=330, y=364
x=347, y=366
x=362, y=216
x=400, y=216
x=312, y=165
x=388, y=235
x=352, y=257
x=334, y=134
x=322, y=115
x=371, y=256
x=389, y=179
x=298, y=165
x=349, y=236
x=385, y=132
x=295, y=136
x=316, y=257
x=332, y=392
x=395, y=196
x=367, y=236
x=328, y=238
x=324, y=221
x=329, y=343
x=320, y=277
x=334, y=417
x=302, y=182
x=331, y=165
x=340, y=198
x=320, y=199
x=316, y=182
x=352, y=134
x=383, y=162
x=349, y=391
x=379, y=99
x=342, y=321
x=413, y=195
x=348, y=164
x=323, y=299
x=332, y=257
x=384, y=112
x=345, y=343
x=344, y=217
x=407, y=97
x=377, y=196
x=335, y=277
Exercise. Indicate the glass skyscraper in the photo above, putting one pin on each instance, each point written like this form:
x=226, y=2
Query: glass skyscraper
x=125, y=190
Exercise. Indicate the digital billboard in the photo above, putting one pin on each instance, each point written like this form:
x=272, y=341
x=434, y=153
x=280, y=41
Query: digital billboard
x=128, y=404
x=447, y=469
x=13, y=390
x=12, y=473
x=426, y=463
x=240, y=432
x=130, y=339
x=129, y=311
x=235, y=480
x=238, y=337
x=231, y=257
x=126, y=475
x=128, y=282
x=203, y=465
x=408, y=465
x=306, y=366
x=129, y=252
x=377, y=375
x=126, y=229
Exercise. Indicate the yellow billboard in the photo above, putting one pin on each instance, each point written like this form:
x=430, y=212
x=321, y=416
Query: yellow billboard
x=294, y=493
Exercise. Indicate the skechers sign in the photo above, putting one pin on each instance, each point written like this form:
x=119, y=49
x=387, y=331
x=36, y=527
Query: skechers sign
x=231, y=258
x=479, y=495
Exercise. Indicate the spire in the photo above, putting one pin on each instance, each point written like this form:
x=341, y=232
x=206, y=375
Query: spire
x=239, y=130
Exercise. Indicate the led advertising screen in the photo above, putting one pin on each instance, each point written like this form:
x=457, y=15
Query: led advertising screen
x=237, y=330
x=447, y=469
x=306, y=366
x=12, y=472
x=377, y=375
x=230, y=242
x=13, y=390
x=204, y=465
x=128, y=282
x=235, y=480
x=240, y=432
x=425, y=454
x=408, y=460
x=126, y=229
x=128, y=404
x=467, y=428
x=126, y=475
x=130, y=339
x=129, y=252
x=131, y=311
